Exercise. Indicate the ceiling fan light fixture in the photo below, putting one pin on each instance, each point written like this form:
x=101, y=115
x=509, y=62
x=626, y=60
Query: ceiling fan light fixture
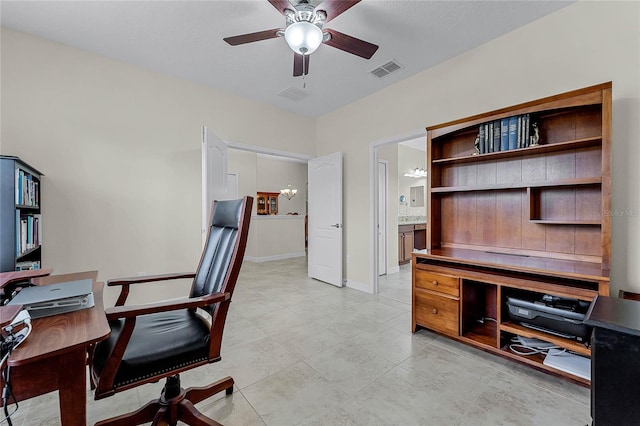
x=303, y=37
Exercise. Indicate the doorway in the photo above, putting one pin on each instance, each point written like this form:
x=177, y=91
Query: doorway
x=387, y=150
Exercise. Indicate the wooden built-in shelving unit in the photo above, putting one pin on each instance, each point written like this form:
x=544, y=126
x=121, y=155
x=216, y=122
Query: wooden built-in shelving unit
x=532, y=220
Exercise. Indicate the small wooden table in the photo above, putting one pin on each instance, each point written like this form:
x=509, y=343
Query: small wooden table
x=54, y=356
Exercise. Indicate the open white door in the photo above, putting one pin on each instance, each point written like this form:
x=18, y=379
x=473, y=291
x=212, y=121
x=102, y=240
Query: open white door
x=325, y=218
x=214, y=174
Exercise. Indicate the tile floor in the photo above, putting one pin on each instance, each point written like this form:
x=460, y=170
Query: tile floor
x=307, y=353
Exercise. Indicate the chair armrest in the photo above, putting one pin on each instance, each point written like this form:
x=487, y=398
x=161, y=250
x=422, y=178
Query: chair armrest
x=124, y=283
x=118, y=312
x=150, y=278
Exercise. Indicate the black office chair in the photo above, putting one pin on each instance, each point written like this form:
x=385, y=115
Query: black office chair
x=158, y=340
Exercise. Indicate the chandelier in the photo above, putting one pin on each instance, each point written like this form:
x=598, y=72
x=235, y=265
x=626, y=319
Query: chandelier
x=289, y=192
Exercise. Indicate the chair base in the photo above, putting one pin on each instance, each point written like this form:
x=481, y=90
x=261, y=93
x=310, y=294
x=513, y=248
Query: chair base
x=174, y=404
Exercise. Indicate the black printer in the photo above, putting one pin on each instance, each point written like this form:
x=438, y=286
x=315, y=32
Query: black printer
x=552, y=314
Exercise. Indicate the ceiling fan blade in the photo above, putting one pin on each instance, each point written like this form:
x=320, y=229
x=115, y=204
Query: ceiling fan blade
x=350, y=44
x=250, y=38
x=281, y=5
x=298, y=60
x=334, y=8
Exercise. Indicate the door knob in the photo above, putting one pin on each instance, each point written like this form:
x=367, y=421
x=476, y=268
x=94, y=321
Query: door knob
x=337, y=225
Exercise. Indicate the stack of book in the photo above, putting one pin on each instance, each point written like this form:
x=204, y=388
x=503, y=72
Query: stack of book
x=28, y=232
x=505, y=134
x=27, y=192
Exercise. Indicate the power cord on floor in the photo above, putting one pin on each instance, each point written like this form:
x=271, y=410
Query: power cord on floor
x=8, y=345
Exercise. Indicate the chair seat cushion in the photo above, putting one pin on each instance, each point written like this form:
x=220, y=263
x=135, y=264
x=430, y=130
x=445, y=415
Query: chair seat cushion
x=160, y=343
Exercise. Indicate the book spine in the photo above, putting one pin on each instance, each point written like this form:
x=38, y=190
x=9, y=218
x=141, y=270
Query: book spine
x=496, y=136
x=513, y=132
x=491, y=130
x=504, y=134
x=527, y=126
x=519, y=142
x=486, y=137
x=17, y=233
x=481, y=140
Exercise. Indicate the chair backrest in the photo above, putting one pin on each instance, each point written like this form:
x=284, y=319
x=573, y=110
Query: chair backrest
x=224, y=248
x=629, y=295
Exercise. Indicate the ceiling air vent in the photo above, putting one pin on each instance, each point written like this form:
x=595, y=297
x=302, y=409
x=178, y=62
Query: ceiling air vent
x=386, y=69
x=293, y=94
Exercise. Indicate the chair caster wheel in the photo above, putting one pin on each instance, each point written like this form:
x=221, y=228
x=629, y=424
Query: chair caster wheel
x=229, y=390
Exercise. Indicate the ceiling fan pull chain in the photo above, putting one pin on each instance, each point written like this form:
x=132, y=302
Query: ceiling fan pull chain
x=304, y=74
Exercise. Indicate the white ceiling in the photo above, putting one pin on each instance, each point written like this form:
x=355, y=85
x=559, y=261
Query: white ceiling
x=184, y=39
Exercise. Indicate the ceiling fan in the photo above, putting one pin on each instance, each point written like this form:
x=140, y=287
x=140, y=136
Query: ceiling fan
x=303, y=31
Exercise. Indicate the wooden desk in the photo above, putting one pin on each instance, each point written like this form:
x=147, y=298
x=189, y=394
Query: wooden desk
x=54, y=356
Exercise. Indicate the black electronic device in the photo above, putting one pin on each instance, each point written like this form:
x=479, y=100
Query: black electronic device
x=552, y=314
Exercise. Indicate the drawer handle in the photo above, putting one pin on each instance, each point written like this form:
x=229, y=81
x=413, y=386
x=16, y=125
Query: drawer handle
x=435, y=311
x=434, y=282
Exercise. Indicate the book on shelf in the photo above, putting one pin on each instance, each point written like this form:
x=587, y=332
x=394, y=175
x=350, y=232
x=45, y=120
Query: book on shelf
x=28, y=232
x=527, y=141
x=513, y=132
x=27, y=189
x=497, y=135
x=28, y=266
x=504, y=134
x=486, y=138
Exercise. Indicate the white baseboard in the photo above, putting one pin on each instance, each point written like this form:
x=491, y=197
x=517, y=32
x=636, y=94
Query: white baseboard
x=276, y=257
x=393, y=269
x=359, y=286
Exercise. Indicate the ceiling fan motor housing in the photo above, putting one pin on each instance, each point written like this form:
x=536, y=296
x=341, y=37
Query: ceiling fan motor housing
x=304, y=29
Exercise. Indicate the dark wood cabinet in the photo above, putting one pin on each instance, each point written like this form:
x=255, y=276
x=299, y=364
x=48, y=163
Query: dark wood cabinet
x=267, y=203
x=532, y=219
x=405, y=243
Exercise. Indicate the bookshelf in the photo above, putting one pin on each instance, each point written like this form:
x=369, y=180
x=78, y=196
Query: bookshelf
x=20, y=215
x=530, y=220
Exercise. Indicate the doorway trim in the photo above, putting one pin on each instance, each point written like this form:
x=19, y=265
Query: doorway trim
x=374, y=198
x=383, y=196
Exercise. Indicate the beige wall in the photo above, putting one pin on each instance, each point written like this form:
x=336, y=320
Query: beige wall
x=120, y=145
x=120, y=149
x=583, y=44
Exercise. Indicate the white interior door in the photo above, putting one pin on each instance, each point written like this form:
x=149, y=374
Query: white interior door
x=325, y=218
x=214, y=174
x=382, y=218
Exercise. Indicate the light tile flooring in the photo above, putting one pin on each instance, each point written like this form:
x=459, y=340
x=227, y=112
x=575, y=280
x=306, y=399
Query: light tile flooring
x=306, y=353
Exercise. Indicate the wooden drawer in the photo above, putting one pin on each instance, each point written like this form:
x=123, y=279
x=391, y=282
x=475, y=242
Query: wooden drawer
x=435, y=312
x=437, y=282
x=419, y=226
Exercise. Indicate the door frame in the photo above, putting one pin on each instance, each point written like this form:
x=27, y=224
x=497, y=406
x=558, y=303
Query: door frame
x=374, y=198
x=383, y=196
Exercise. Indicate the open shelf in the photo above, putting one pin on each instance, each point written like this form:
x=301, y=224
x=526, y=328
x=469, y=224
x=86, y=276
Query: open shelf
x=571, y=345
x=531, y=150
x=484, y=333
x=537, y=361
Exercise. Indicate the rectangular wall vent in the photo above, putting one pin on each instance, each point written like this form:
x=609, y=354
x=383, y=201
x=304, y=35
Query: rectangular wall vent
x=386, y=69
x=293, y=94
